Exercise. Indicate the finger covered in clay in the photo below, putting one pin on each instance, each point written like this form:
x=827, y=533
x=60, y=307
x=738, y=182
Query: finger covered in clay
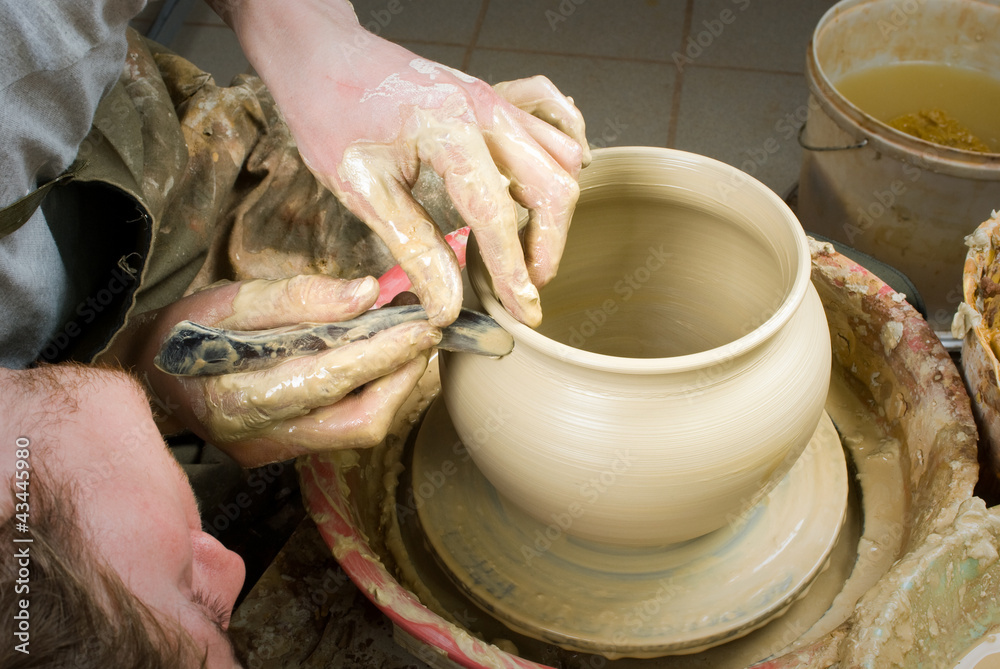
x=540, y=98
x=359, y=420
x=235, y=407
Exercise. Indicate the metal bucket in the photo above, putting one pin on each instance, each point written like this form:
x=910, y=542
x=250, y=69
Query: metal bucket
x=905, y=201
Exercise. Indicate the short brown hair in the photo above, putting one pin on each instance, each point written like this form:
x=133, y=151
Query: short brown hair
x=81, y=614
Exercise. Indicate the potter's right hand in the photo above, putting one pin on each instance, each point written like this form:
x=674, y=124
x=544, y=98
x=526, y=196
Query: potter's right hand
x=300, y=405
x=367, y=114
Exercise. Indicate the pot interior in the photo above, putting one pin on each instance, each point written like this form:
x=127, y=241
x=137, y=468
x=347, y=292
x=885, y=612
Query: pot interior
x=649, y=274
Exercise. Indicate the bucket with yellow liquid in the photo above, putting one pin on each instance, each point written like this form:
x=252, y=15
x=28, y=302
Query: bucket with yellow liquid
x=878, y=72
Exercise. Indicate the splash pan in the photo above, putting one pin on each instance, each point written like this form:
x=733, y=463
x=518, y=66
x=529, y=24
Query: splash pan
x=913, y=433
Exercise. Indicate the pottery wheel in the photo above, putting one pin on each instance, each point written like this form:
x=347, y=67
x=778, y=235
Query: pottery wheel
x=620, y=601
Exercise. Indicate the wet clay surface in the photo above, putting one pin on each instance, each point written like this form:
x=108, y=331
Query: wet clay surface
x=614, y=600
x=869, y=541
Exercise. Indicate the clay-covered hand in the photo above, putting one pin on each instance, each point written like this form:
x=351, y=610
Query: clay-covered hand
x=300, y=405
x=368, y=114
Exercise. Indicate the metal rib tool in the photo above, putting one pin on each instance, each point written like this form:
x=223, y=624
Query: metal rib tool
x=191, y=349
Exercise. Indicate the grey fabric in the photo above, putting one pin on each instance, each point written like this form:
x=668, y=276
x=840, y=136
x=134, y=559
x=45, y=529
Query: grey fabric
x=57, y=59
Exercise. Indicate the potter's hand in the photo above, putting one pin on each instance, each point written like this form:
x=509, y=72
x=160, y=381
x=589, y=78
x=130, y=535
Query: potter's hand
x=301, y=405
x=367, y=114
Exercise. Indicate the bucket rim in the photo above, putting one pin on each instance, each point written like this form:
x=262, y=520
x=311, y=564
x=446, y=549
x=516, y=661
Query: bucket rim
x=871, y=133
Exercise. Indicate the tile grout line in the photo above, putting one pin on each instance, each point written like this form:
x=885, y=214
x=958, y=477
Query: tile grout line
x=739, y=68
x=467, y=56
x=675, y=102
x=429, y=42
x=614, y=59
x=561, y=54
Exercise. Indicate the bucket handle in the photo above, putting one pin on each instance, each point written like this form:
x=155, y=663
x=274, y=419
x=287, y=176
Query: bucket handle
x=810, y=147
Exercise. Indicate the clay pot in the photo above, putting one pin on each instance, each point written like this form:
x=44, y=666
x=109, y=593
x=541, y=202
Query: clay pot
x=682, y=364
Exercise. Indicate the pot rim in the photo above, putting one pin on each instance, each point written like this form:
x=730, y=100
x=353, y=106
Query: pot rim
x=525, y=336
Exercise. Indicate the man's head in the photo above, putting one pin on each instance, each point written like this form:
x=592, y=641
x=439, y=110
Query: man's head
x=117, y=555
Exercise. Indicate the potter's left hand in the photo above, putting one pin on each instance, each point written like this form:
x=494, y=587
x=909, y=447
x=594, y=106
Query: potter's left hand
x=367, y=114
x=297, y=406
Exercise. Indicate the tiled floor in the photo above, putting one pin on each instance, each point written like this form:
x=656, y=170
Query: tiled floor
x=715, y=77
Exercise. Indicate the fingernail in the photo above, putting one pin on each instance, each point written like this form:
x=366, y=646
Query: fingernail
x=425, y=336
x=442, y=313
x=432, y=338
x=532, y=315
x=529, y=306
x=362, y=287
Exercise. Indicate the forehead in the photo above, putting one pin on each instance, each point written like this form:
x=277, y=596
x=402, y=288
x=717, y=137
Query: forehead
x=106, y=409
x=56, y=411
x=60, y=391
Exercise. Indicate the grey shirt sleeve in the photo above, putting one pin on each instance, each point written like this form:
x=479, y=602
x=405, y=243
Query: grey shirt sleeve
x=59, y=57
